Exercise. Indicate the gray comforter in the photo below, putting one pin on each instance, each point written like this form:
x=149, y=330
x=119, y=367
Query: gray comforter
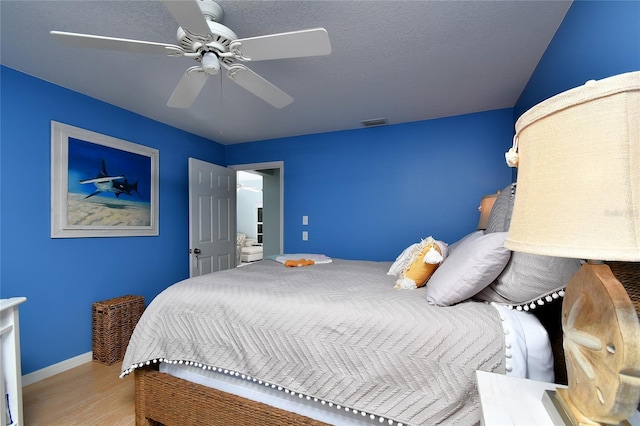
x=339, y=332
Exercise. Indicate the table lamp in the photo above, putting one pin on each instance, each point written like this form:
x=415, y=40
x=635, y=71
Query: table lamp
x=486, y=204
x=578, y=159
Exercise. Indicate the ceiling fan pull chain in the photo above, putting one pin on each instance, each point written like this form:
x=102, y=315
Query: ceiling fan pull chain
x=220, y=104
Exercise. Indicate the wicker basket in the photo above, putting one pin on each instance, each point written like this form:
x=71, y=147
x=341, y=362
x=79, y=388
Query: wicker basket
x=113, y=322
x=628, y=273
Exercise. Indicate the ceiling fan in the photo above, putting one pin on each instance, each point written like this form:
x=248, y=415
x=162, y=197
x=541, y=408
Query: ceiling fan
x=201, y=36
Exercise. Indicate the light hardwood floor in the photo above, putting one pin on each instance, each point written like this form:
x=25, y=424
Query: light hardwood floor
x=91, y=394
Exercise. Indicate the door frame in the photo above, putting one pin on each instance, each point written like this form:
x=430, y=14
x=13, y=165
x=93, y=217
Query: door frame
x=268, y=165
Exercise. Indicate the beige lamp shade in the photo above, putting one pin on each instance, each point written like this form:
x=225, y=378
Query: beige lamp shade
x=579, y=173
x=486, y=204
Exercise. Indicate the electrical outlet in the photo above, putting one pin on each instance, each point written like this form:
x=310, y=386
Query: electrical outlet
x=305, y=236
x=305, y=220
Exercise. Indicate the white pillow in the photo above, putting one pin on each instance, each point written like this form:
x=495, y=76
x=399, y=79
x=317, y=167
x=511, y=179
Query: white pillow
x=472, y=266
x=399, y=265
x=515, y=343
x=539, y=353
x=527, y=346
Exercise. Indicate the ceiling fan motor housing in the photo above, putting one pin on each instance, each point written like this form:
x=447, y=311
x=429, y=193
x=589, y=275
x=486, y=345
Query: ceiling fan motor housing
x=219, y=37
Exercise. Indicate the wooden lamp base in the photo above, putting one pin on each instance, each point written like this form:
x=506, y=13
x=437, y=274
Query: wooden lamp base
x=564, y=413
x=602, y=351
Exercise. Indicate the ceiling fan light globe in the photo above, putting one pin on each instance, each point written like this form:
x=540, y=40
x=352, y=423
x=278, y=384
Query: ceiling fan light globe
x=210, y=63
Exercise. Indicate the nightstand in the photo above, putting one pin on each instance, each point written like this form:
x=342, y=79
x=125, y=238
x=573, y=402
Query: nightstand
x=509, y=400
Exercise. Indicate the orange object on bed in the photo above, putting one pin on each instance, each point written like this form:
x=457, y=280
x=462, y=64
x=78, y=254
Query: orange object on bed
x=299, y=262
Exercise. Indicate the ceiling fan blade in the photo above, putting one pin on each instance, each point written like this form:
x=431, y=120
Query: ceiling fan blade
x=188, y=88
x=112, y=43
x=189, y=16
x=257, y=85
x=296, y=44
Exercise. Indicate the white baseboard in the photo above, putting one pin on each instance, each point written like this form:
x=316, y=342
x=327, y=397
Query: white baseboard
x=54, y=369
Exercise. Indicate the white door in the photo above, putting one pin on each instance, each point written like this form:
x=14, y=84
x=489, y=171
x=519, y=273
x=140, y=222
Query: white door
x=212, y=218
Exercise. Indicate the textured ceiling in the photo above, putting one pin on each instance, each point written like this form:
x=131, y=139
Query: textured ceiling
x=403, y=60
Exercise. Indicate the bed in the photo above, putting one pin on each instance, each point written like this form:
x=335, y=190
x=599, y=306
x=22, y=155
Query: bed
x=336, y=343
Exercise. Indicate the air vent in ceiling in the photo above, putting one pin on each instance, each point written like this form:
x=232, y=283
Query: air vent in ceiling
x=374, y=122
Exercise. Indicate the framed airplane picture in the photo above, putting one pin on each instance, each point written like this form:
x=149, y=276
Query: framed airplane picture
x=101, y=186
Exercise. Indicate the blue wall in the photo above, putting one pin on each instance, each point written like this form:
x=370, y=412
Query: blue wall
x=369, y=193
x=597, y=39
x=61, y=278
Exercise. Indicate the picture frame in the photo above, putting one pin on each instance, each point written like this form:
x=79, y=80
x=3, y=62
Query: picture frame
x=101, y=186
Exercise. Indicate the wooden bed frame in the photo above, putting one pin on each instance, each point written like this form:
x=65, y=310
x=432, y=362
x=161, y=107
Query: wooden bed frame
x=161, y=399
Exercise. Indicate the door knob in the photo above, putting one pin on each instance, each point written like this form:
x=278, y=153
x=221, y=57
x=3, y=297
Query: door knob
x=196, y=251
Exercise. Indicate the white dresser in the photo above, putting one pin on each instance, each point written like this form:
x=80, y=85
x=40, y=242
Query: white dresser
x=11, y=382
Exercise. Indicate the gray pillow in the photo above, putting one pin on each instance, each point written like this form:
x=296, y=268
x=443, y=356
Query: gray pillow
x=465, y=240
x=527, y=278
x=473, y=265
x=500, y=216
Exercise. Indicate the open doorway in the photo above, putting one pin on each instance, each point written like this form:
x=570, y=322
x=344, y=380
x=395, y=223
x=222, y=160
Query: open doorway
x=261, y=221
x=249, y=215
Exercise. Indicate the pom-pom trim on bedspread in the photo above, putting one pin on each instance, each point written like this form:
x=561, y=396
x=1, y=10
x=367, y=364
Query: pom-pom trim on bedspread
x=248, y=378
x=530, y=305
